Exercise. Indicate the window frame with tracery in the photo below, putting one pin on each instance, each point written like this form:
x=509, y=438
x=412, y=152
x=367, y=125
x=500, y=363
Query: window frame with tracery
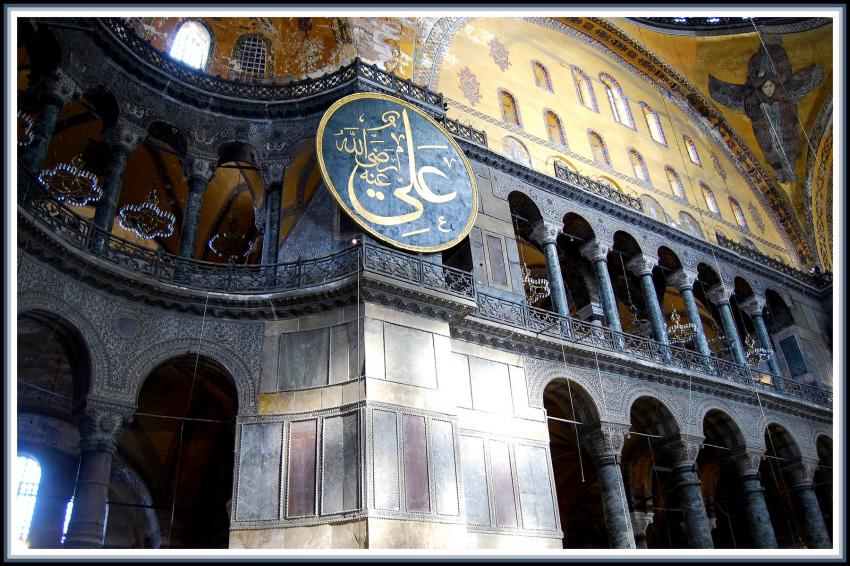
x=544, y=76
x=558, y=127
x=693, y=153
x=204, y=52
x=617, y=99
x=502, y=93
x=671, y=175
x=709, y=198
x=242, y=74
x=603, y=146
x=738, y=213
x=640, y=165
x=653, y=123
x=588, y=99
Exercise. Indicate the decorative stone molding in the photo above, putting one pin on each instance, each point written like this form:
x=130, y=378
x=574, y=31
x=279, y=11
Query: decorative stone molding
x=545, y=232
x=101, y=425
x=596, y=249
x=273, y=172
x=540, y=373
x=801, y=471
x=607, y=440
x=746, y=460
x=641, y=521
x=200, y=167
x=683, y=278
x=719, y=294
x=642, y=264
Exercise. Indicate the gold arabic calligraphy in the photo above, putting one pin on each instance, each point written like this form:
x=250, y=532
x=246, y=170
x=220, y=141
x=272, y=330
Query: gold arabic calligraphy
x=378, y=162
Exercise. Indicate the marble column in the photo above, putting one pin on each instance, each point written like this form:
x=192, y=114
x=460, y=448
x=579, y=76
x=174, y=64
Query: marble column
x=546, y=235
x=754, y=307
x=605, y=445
x=801, y=474
x=746, y=464
x=642, y=267
x=682, y=450
x=684, y=280
x=596, y=251
x=122, y=139
x=273, y=178
x=719, y=295
x=100, y=428
x=53, y=90
x=640, y=522
x=199, y=171
x=58, y=472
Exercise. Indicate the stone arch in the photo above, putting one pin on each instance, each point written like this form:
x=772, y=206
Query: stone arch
x=541, y=373
x=237, y=368
x=719, y=424
x=785, y=438
x=674, y=425
x=88, y=335
x=707, y=404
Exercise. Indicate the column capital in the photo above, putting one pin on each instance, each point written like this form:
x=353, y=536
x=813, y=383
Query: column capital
x=719, y=294
x=607, y=441
x=596, y=250
x=642, y=264
x=641, y=521
x=124, y=136
x=272, y=171
x=753, y=306
x=684, y=278
x=200, y=167
x=801, y=471
x=55, y=87
x=746, y=460
x=682, y=449
x=101, y=426
x=545, y=232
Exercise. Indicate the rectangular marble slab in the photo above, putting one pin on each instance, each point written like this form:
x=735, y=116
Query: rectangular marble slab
x=301, y=494
x=491, y=386
x=535, y=493
x=258, y=494
x=385, y=460
x=416, y=496
x=474, y=480
x=303, y=359
x=409, y=356
x=340, y=464
x=503, y=486
x=443, y=466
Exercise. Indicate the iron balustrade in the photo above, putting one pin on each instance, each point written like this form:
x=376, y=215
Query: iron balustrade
x=821, y=280
x=554, y=325
x=64, y=223
x=605, y=191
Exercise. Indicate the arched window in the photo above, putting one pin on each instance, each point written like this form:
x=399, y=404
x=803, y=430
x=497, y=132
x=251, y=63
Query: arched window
x=692, y=151
x=675, y=183
x=598, y=148
x=617, y=98
x=739, y=214
x=191, y=45
x=554, y=128
x=689, y=225
x=516, y=151
x=541, y=76
x=510, y=110
x=28, y=477
x=584, y=89
x=718, y=167
x=639, y=165
x=710, y=201
x=250, y=57
x=652, y=208
x=654, y=124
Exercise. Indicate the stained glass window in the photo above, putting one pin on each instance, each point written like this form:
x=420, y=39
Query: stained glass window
x=598, y=148
x=675, y=183
x=639, y=165
x=654, y=124
x=584, y=89
x=692, y=151
x=710, y=201
x=617, y=98
x=739, y=214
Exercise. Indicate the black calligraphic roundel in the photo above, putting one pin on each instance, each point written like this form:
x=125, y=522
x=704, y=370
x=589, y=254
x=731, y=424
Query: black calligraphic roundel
x=397, y=172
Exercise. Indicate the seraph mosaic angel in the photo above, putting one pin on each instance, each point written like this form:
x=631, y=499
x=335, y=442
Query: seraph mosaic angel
x=769, y=99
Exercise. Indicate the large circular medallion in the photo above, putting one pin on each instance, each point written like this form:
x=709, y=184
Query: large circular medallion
x=397, y=172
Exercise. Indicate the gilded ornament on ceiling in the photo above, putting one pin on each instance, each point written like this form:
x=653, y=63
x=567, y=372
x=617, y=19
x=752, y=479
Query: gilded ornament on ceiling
x=469, y=85
x=499, y=53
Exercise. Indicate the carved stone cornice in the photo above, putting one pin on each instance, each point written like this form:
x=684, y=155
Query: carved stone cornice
x=642, y=264
x=683, y=278
x=753, y=306
x=545, y=232
x=719, y=294
x=746, y=460
x=596, y=250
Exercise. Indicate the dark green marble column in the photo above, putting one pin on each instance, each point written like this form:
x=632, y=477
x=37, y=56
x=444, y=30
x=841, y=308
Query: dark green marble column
x=199, y=171
x=683, y=451
x=597, y=252
x=546, y=235
x=605, y=445
x=54, y=91
x=719, y=295
x=801, y=474
x=754, y=307
x=684, y=281
x=746, y=464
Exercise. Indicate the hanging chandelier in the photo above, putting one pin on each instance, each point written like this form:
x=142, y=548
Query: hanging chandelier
x=147, y=220
x=71, y=182
x=640, y=326
x=718, y=345
x=25, y=124
x=755, y=354
x=536, y=288
x=232, y=244
x=679, y=333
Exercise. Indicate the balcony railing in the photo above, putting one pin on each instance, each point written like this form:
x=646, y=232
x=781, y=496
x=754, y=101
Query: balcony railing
x=63, y=223
x=821, y=280
x=592, y=186
x=554, y=325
